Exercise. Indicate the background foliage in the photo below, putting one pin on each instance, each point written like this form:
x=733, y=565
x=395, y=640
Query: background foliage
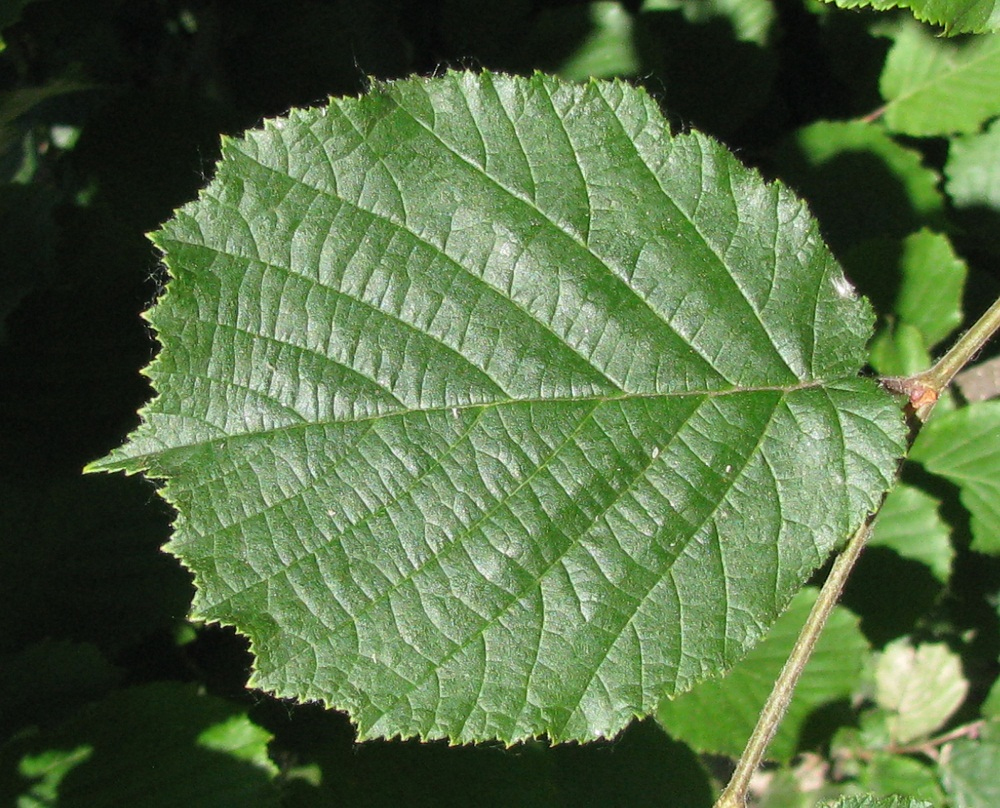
x=110, y=117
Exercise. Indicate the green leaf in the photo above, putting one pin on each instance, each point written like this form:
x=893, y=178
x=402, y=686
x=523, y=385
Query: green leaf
x=918, y=280
x=718, y=716
x=973, y=168
x=955, y=16
x=969, y=770
x=901, y=775
x=933, y=86
x=931, y=287
x=917, y=283
x=898, y=349
x=910, y=524
x=860, y=183
x=961, y=446
x=922, y=687
x=607, y=51
x=153, y=745
x=991, y=706
x=973, y=183
x=871, y=801
x=491, y=409
x=751, y=20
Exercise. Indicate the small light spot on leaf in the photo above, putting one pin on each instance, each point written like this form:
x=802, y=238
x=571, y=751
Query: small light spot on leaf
x=843, y=287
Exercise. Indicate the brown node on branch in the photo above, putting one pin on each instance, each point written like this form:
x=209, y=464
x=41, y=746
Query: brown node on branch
x=922, y=396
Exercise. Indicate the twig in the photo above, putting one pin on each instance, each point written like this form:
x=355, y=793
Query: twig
x=735, y=795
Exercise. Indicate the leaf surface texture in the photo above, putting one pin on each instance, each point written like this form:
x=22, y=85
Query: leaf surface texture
x=490, y=408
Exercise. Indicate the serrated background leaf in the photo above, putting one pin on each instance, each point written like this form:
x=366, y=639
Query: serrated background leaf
x=860, y=183
x=934, y=86
x=917, y=280
x=973, y=183
x=490, y=409
x=871, y=801
x=899, y=350
x=921, y=686
x=909, y=522
x=961, y=446
x=969, y=769
x=718, y=716
x=956, y=16
x=930, y=291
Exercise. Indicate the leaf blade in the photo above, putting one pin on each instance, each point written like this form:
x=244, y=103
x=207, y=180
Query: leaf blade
x=450, y=442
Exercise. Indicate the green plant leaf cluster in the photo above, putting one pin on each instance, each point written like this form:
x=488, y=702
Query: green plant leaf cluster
x=110, y=120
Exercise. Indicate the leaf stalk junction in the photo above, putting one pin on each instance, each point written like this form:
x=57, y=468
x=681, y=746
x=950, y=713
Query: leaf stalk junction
x=922, y=391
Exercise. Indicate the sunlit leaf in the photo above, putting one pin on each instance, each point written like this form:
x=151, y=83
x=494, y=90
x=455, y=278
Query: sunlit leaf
x=910, y=524
x=718, y=716
x=931, y=286
x=955, y=16
x=899, y=349
x=973, y=183
x=917, y=280
x=936, y=86
x=489, y=408
x=751, y=20
x=921, y=686
x=962, y=446
x=970, y=769
x=860, y=183
x=608, y=50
